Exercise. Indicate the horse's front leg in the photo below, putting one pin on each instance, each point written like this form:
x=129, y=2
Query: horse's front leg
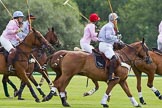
x=32, y=79
x=125, y=87
x=150, y=85
x=92, y=91
x=139, y=88
x=22, y=75
x=111, y=84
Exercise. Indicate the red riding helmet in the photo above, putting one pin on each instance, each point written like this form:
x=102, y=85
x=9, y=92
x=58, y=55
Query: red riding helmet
x=94, y=17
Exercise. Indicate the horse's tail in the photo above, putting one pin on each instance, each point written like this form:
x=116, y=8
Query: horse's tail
x=54, y=60
x=77, y=49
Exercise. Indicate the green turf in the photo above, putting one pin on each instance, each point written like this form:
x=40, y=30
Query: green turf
x=75, y=91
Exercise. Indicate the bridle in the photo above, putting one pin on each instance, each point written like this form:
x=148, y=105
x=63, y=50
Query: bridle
x=147, y=58
x=36, y=37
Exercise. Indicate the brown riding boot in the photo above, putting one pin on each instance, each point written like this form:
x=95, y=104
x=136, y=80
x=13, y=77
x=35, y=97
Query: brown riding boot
x=10, y=58
x=111, y=69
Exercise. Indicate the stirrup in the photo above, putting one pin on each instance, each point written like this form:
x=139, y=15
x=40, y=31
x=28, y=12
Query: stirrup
x=11, y=68
x=114, y=78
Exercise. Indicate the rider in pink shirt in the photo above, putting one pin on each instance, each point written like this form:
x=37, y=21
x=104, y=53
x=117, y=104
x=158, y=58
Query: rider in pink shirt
x=10, y=34
x=89, y=34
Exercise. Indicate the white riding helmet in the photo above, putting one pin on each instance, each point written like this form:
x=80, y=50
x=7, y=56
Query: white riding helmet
x=113, y=16
x=18, y=14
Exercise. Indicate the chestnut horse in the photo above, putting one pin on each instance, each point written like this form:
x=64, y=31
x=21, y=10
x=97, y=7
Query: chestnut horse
x=69, y=63
x=34, y=39
x=41, y=57
x=150, y=71
x=139, y=66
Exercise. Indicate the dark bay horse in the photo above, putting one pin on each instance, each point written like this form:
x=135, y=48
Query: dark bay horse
x=41, y=56
x=34, y=39
x=69, y=63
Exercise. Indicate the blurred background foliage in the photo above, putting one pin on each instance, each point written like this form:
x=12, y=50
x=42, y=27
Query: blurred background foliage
x=138, y=18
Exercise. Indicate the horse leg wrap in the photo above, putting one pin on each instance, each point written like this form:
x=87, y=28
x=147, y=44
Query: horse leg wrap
x=142, y=101
x=5, y=89
x=41, y=92
x=50, y=95
x=64, y=103
x=157, y=93
x=33, y=94
x=134, y=102
x=12, y=85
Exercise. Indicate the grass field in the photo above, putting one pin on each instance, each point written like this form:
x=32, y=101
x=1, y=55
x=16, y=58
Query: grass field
x=75, y=91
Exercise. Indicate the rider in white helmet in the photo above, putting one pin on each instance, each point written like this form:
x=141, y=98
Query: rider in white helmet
x=10, y=35
x=107, y=37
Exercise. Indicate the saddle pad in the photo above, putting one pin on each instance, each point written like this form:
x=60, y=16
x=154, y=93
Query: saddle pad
x=99, y=60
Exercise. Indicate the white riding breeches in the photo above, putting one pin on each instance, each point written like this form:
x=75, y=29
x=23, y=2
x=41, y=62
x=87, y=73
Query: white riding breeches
x=6, y=44
x=107, y=49
x=86, y=47
x=159, y=42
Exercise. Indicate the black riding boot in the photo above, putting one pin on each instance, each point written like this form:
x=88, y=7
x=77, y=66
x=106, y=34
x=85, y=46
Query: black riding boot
x=111, y=68
x=10, y=58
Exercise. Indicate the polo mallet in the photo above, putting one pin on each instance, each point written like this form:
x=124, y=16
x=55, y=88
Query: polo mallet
x=6, y=8
x=27, y=3
x=66, y=3
x=113, y=12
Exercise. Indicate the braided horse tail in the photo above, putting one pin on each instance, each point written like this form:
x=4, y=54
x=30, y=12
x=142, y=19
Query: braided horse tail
x=54, y=60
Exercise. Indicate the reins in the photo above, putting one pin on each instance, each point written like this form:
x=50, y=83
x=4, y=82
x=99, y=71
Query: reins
x=136, y=54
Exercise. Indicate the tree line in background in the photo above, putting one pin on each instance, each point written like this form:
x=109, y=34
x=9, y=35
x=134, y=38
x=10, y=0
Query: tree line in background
x=138, y=18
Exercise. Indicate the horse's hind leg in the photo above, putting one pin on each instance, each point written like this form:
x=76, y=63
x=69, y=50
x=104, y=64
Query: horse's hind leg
x=92, y=91
x=61, y=83
x=125, y=87
x=150, y=85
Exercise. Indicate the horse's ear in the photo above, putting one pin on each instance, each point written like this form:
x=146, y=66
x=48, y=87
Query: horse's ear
x=33, y=30
x=52, y=29
x=48, y=29
x=143, y=40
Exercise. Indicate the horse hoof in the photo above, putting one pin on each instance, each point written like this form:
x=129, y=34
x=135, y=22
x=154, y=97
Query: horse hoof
x=16, y=93
x=86, y=94
x=21, y=98
x=138, y=105
x=37, y=100
x=142, y=101
x=66, y=104
x=105, y=105
x=160, y=97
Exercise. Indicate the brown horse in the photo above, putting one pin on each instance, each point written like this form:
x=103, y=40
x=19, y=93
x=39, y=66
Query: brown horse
x=34, y=39
x=150, y=70
x=70, y=63
x=138, y=67
x=41, y=57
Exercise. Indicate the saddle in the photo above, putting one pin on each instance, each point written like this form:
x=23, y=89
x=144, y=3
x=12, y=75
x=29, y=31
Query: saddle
x=100, y=58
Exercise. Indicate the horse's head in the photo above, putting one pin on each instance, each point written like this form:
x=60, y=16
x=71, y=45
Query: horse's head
x=141, y=51
x=52, y=37
x=35, y=39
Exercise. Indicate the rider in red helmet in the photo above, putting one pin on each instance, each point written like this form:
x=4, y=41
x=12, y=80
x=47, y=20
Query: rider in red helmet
x=89, y=33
